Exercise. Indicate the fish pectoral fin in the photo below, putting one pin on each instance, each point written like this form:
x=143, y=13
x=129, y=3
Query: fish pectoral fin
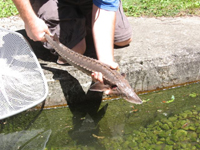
x=115, y=92
x=99, y=87
x=123, y=74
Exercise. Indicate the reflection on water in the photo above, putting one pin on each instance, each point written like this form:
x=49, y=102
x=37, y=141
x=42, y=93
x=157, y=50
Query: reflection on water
x=25, y=140
x=166, y=120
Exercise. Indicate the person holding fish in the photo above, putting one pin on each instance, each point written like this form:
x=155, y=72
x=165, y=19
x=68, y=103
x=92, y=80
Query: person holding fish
x=70, y=19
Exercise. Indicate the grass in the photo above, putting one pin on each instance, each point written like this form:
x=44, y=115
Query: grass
x=7, y=8
x=158, y=8
x=135, y=8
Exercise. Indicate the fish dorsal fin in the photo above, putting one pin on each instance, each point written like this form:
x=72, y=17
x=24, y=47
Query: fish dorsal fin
x=99, y=87
x=55, y=38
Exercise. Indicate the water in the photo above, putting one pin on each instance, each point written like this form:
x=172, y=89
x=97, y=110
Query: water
x=168, y=119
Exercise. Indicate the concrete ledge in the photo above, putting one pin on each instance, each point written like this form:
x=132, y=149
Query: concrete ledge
x=164, y=52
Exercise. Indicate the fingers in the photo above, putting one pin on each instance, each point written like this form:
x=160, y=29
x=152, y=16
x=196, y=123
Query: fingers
x=41, y=37
x=42, y=31
x=114, y=65
x=37, y=29
x=48, y=32
x=97, y=76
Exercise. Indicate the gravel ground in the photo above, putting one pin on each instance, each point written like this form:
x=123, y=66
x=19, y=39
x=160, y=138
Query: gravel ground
x=12, y=23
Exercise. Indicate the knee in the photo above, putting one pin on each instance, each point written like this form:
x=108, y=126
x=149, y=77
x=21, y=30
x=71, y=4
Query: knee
x=80, y=47
x=123, y=43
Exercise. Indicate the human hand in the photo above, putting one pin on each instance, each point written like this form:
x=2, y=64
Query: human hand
x=36, y=29
x=97, y=76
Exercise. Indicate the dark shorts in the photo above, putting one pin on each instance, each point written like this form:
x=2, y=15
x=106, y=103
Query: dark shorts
x=70, y=19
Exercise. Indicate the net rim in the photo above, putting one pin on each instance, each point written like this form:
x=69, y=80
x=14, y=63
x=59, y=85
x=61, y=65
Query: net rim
x=40, y=70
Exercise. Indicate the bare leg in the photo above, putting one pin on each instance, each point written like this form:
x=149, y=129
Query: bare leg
x=123, y=43
x=79, y=48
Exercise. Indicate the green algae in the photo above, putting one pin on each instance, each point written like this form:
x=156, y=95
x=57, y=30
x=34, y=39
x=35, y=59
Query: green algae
x=155, y=126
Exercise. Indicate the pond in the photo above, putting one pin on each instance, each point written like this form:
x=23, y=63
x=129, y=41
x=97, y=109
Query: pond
x=168, y=119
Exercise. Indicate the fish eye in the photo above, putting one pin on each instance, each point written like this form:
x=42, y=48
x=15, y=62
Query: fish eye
x=113, y=87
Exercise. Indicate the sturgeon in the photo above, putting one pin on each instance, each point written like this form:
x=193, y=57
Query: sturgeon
x=112, y=79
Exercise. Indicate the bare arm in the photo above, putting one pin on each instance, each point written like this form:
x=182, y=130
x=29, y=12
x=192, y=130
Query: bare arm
x=103, y=27
x=35, y=27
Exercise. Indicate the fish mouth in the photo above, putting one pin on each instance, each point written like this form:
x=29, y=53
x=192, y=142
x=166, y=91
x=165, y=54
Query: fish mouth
x=134, y=99
x=131, y=96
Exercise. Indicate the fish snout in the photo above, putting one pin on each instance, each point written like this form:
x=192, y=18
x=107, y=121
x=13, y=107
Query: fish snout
x=129, y=95
x=133, y=98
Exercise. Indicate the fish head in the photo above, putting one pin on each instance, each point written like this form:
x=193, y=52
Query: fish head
x=127, y=93
x=132, y=97
x=122, y=89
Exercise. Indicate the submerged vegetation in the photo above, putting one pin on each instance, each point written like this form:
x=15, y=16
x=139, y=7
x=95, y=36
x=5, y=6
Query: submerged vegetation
x=167, y=120
x=135, y=8
x=181, y=131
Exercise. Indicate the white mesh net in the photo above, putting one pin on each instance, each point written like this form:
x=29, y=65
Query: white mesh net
x=22, y=82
